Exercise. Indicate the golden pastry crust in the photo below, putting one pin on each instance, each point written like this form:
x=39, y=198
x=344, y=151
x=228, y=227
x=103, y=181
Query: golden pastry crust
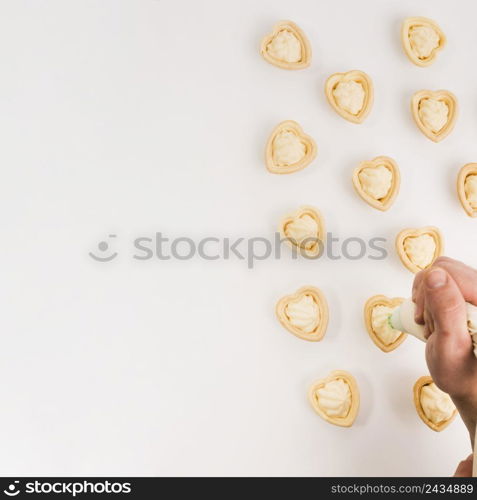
x=371, y=303
x=411, y=232
x=420, y=383
x=305, y=46
x=313, y=248
x=351, y=76
x=349, y=419
x=415, y=22
x=466, y=171
x=319, y=299
x=308, y=142
x=442, y=96
x=382, y=203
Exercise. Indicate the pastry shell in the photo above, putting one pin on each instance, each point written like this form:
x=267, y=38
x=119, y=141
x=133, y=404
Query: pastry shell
x=317, y=249
x=465, y=171
x=354, y=408
x=357, y=76
x=440, y=95
x=310, y=145
x=371, y=303
x=411, y=54
x=388, y=200
x=300, y=35
x=421, y=382
x=405, y=233
x=319, y=332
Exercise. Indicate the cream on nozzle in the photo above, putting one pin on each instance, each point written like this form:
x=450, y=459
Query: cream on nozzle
x=402, y=319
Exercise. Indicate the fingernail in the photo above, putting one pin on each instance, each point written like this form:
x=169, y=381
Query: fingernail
x=436, y=278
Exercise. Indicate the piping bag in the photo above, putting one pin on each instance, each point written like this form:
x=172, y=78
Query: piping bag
x=402, y=319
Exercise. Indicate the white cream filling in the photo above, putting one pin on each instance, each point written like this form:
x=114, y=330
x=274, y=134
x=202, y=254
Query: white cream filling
x=434, y=114
x=470, y=187
x=285, y=46
x=349, y=96
x=303, y=231
x=420, y=249
x=334, y=398
x=471, y=318
x=380, y=324
x=376, y=181
x=423, y=40
x=303, y=313
x=436, y=404
x=288, y=148
x=472, y=324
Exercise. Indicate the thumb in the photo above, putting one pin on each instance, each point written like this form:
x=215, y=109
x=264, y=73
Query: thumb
x=445, y=304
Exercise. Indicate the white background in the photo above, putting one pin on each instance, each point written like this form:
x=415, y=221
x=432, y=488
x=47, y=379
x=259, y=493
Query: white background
x=132, y=117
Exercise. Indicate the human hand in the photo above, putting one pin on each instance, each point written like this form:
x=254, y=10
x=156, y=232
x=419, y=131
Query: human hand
x=440, y=293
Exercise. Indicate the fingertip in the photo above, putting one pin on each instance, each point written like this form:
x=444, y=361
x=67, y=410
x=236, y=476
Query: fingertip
x=436, y=278
x=444, y=304
x=428, y=324
x=419, y=312
x=419, y=319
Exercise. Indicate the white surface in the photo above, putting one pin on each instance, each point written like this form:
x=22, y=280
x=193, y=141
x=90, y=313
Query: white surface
x=141, y=116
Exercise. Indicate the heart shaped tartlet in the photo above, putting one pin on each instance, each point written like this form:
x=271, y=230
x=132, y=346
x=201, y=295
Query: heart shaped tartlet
x=336, y=398
x=304, y=230
x=467, y=188
x=434, y=406
x=350, y=94
x=286, y=47
x=304, y=313
x=422, y=39
x=289, y=149
x=377, y=181
x=377, y=311
x=419, y=248
x=435, y=113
